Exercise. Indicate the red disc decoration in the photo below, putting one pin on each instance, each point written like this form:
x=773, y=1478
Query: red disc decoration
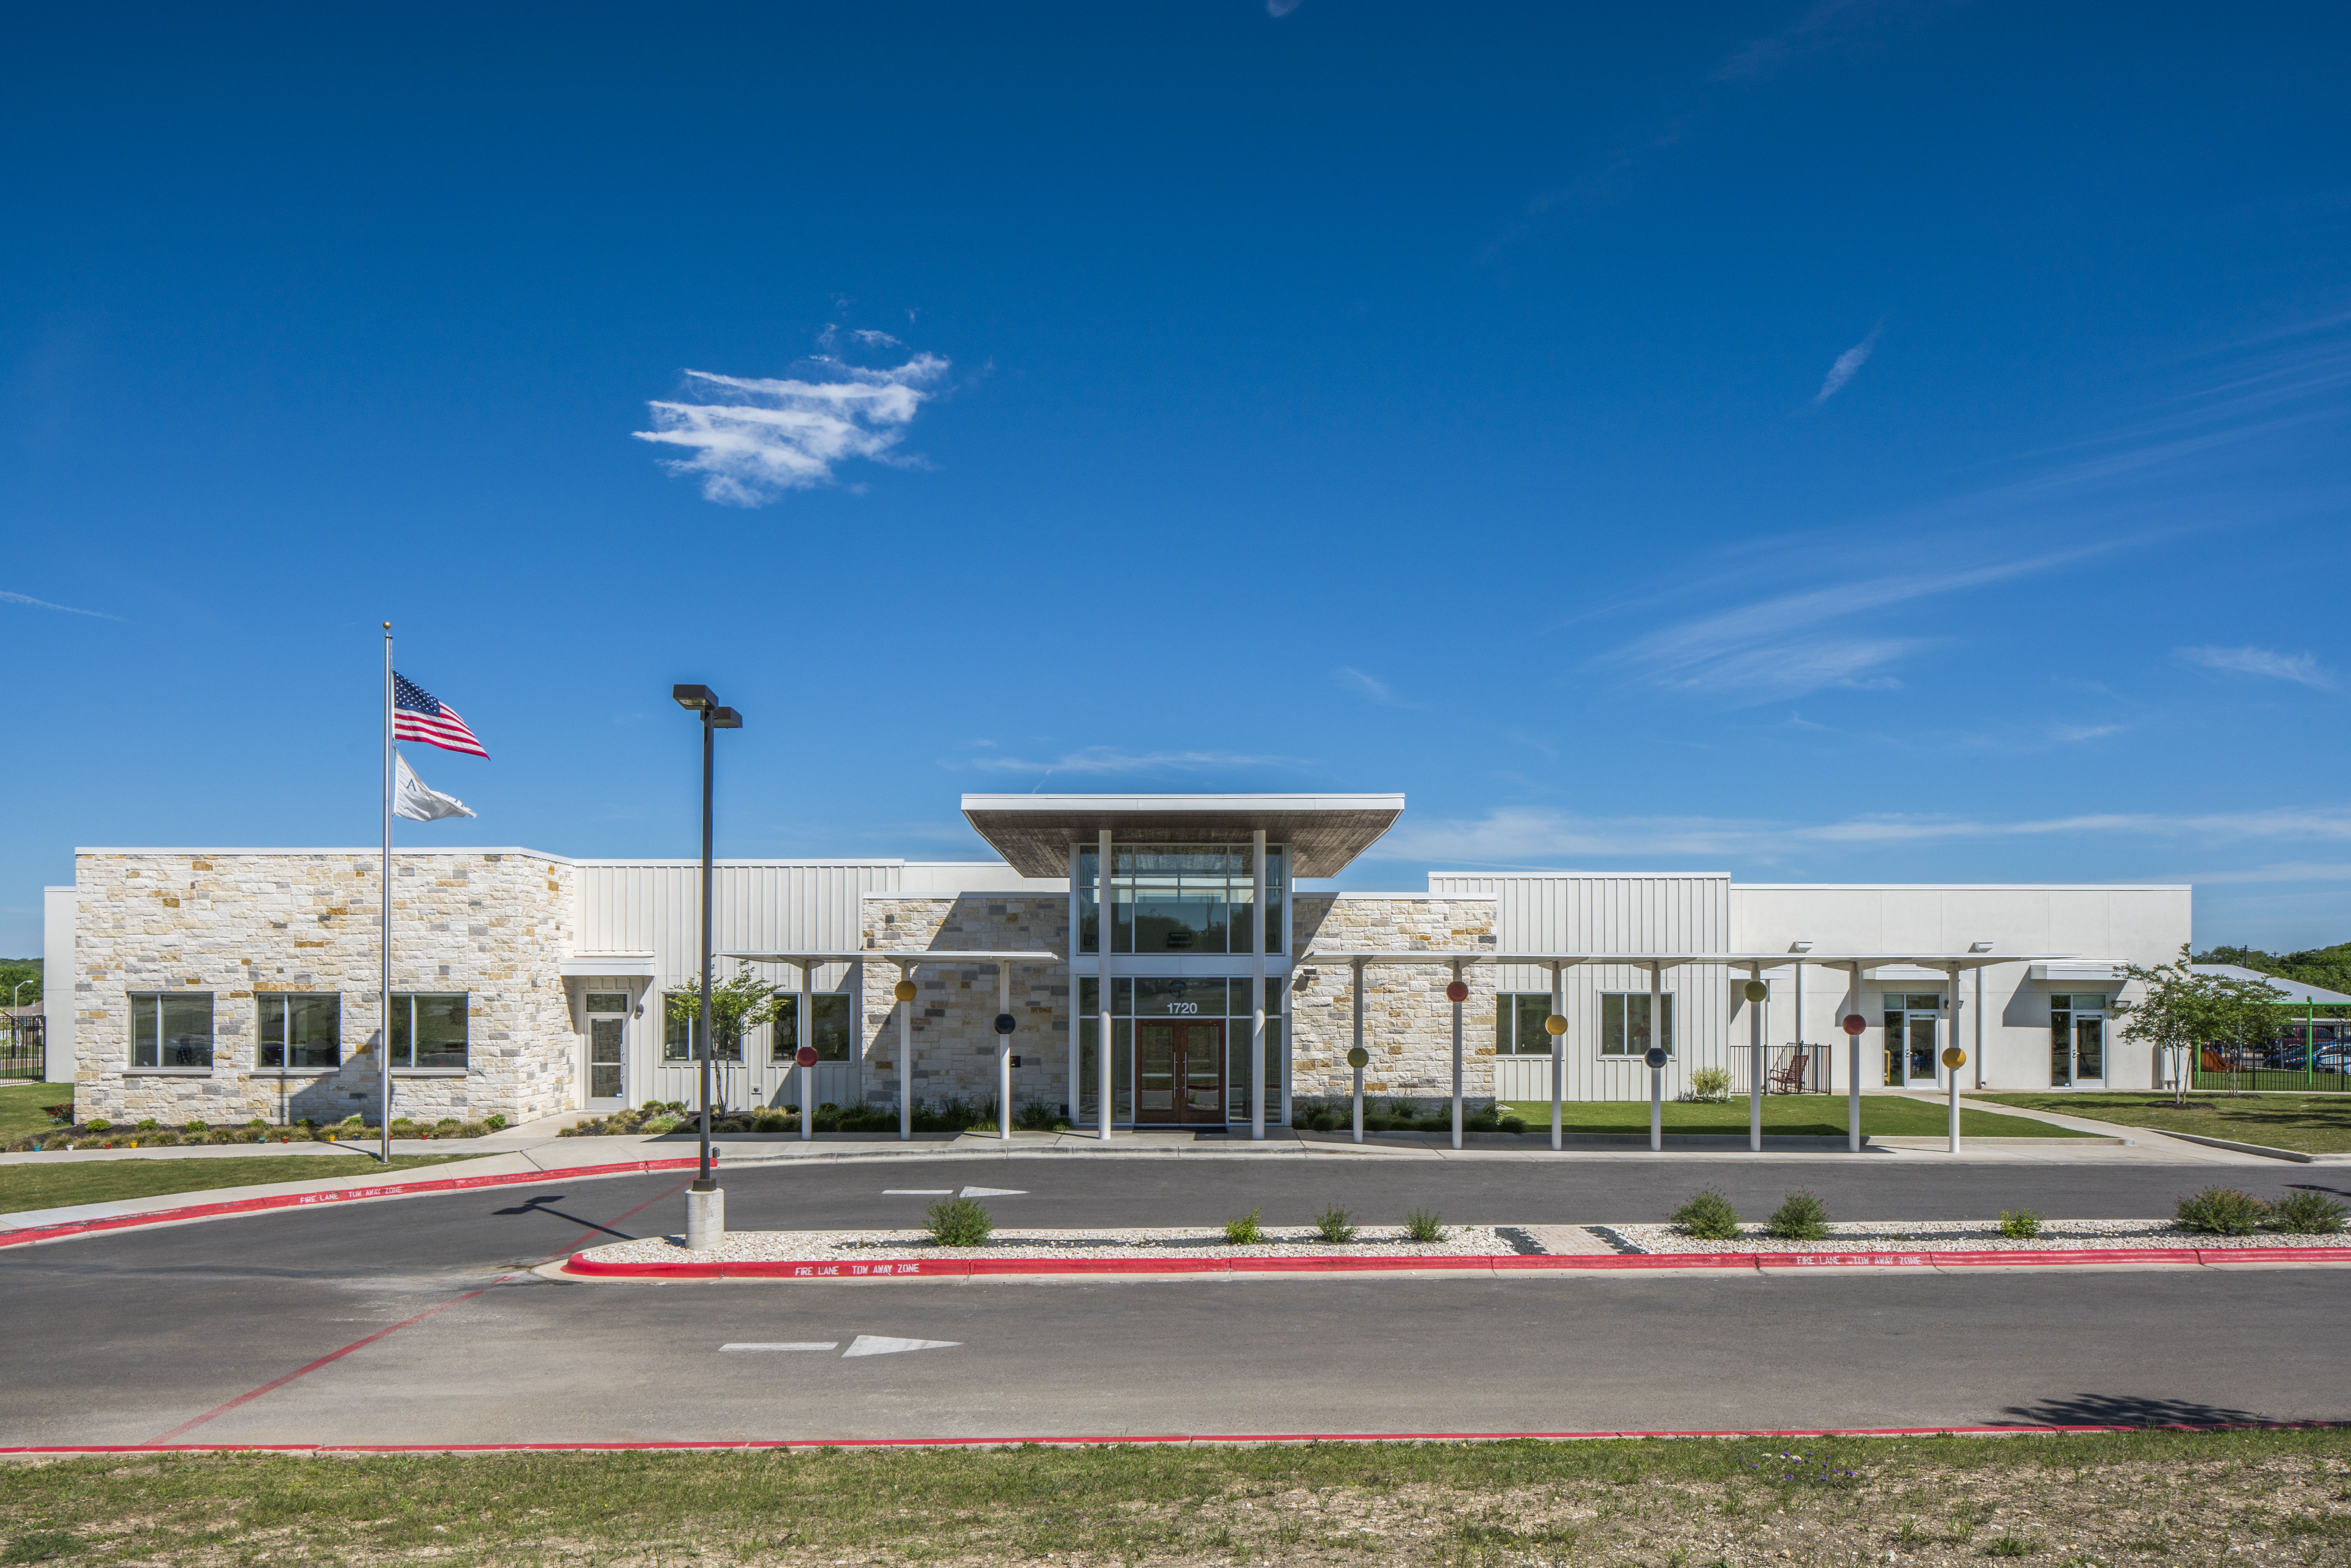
x=805, y=1056
x=1855, y=1024
x=1457, y=992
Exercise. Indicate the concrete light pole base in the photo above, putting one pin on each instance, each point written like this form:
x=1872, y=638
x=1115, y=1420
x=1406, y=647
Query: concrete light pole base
x=705, y=1218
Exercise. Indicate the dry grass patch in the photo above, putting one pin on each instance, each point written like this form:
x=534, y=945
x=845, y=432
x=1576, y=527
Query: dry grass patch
x=2064, y=1501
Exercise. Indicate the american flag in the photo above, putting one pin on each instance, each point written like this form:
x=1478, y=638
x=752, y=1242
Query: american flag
x=418, y=714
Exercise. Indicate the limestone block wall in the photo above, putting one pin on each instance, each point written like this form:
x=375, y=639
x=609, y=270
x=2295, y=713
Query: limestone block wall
x=492, y=924
x=1408, y=1022
x=953, y=1032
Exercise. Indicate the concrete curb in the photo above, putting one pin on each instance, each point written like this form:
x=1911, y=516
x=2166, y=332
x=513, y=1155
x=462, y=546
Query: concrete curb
x=579, y=1266
x=2263, y=1149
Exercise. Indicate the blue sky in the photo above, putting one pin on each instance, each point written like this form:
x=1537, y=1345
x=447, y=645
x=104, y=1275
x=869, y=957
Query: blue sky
x=1815, y=441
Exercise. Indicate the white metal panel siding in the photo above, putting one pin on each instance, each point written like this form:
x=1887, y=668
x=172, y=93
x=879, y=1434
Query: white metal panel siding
x=1612, y=914
x=655, y=907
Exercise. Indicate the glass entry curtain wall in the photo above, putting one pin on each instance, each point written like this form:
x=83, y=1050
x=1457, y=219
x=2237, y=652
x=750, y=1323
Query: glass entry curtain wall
x=1194, y=1054
x=1178, y=898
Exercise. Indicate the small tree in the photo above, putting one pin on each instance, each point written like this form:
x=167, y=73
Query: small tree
x=2184, y=1012
x=736, y=1008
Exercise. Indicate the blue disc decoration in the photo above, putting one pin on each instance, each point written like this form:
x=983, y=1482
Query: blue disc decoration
x=1656, y=1056
x=1004, y=1024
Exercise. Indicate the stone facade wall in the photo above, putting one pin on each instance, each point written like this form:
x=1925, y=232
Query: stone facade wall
x=953, y=1032
x=493, y=925
x=1408, y=1022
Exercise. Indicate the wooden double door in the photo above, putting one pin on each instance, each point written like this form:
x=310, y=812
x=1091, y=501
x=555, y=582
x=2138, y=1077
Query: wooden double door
x=1180, y=1072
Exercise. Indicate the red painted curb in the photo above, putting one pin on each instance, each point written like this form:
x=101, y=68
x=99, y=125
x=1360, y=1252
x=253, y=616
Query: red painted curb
x=1167, y=1439
x=337, y=1195
x=583, y=1266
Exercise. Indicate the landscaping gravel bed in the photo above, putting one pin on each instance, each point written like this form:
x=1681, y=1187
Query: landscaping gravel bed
x=833, y=1246
x=1958, y=1235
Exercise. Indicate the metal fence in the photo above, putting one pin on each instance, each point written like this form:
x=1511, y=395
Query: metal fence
x=22, y=1060
x=2288, y=1065
x=1790, y=1069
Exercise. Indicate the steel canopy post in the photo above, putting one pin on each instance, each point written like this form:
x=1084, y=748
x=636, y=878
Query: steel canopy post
x=1458, y=994
x=1106, y=921
x=1355, y=1057
x=907, y=1054
x=1755, y=1053
x=802, y=1024
x=1657, y=1049
x=1853, y=1085
x=1004, y=1052
x=1256, y=983
x=1558, y=1057
x=1952, y=1067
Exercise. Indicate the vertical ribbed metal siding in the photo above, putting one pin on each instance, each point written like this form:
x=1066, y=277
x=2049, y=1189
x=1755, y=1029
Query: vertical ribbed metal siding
x=1616, y=914
x=656, y=908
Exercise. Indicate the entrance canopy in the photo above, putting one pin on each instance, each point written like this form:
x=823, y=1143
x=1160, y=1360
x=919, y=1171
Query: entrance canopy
x=1325, y=832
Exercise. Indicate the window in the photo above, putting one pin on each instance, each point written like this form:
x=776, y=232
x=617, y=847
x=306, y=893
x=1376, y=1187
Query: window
x=1179, y=898
x=428, y=1029
x=171, y=1028
x=608, y=1002
x=299, y=1031
x=1518, y=1023
x=680, y=1036
x=1624, y=1023
x=829, y=1026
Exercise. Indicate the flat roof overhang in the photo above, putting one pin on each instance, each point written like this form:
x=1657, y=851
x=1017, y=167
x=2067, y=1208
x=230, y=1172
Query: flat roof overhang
x=1944, y=961
x=1325, y=832
x=904, y=957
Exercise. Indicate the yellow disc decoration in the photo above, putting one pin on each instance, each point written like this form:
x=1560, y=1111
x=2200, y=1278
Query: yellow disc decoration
x=1758, y=991
x=1358, y=1057
x=1954, y=1057
x=904, y=992
x=1555, y=1025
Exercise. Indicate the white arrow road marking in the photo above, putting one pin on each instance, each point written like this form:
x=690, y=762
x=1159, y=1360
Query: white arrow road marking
x=918, y=1192
x=876, y=1344
x=789, y=1344
x=995, y=1192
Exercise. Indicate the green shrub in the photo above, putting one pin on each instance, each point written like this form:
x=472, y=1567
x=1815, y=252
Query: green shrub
x=99, y=1126
x=1800, y=1217
x=1710, y=1084
x=2020, y=1225
x=1035, y=1115
x=772, y=1121
x=2007, y=1546
x=148, y=1126
x=1244, y=1232
x=194, y=1127
x=1424, y=1225
x=1709, y=1216
x=2306, y=1213
x=1333, y=1225
x=959, y=1222
x=493, y=1121
x=2221, y=1211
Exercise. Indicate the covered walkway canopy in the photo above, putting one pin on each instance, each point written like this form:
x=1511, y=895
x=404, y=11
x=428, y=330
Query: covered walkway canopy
x=1657, y=963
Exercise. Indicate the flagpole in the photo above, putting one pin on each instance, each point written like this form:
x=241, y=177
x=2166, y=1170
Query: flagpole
x=383, y=1051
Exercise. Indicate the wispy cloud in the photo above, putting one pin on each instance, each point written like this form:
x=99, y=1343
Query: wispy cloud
x=2301, y=668
x=1526, y=836
x=1354, y=680
x=1101, y=759
x=1822, y=27
x=1282, y=8
x=752, y=440
x=27, y=599
x=1847, y=363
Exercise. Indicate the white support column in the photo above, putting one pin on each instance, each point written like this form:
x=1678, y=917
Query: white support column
x=1852, y=1087
x=1101, y=939
x=801, y=1025
x=1827, y=1078
x=1755, y=1054
x=1256, y=983
x=1657, y=1075
x=1106, y=1036
x=905, y=1062
x=1979, y=989
x=1456, y=1054
x=1004, y=1054
x=1558, y=1061
x=1358, y=967
x=1951, y=1037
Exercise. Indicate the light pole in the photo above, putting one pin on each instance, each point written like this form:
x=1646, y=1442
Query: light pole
x=705, y=1206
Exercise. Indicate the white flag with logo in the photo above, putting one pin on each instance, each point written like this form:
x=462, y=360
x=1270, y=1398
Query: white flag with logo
x=416, y=801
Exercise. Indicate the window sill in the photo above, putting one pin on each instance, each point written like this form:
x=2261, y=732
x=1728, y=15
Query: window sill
x=296, y=1072
x=430, y=1071
x=167, y=1072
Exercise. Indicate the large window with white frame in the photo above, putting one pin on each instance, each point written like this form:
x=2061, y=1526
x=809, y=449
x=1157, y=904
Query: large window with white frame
x=1624, y=1023
x=830, y=1022
x=1179, y=898
x=172, y=1030
x=1518, y=1023
x=299, y=1030
x=682, y=1035
x=428, y=1030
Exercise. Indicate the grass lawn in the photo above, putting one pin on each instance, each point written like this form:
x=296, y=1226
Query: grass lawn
x=2315, y=1125
x=20, y=1107
x=1883, y=1115
x=36, y=1185
x=2138, y=1496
